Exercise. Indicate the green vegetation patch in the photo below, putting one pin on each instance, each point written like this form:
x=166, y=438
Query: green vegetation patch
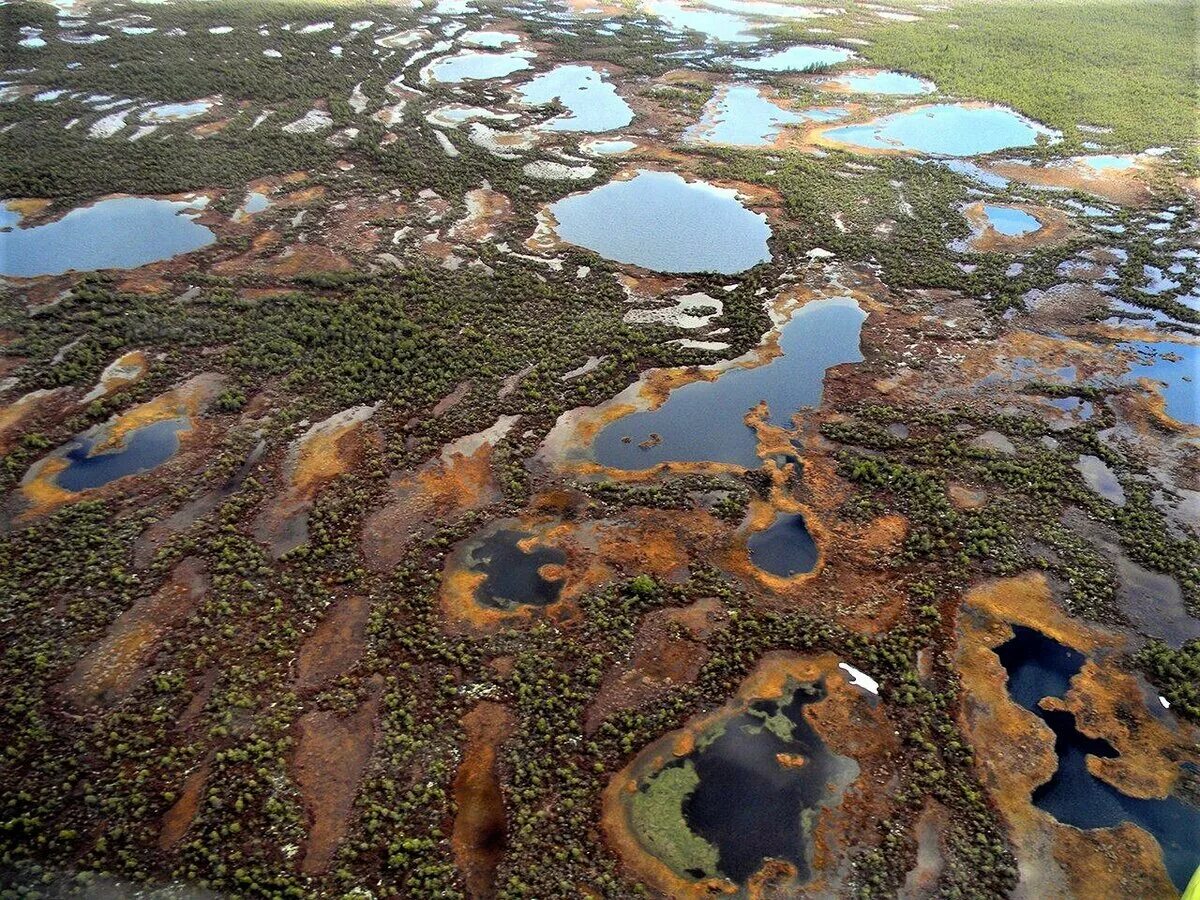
x=1127, y=65
x=657, y=817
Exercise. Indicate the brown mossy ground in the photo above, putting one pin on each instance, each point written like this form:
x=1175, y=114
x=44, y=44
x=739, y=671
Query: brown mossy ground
x=478, y=837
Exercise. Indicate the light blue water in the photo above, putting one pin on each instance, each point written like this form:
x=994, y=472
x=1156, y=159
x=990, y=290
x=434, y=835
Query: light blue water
x=470, y=65
x=1157, y=281
x=256, y=201
x=883, y=82
x=761, y=8
x=797, y=59
x=609, y=147
x=659, y=221
x=1009, y=221
x=1103, y=162
x=592, y=103
x=490, y=39
x=740, y=115
x=713, y=24
x=143, y=449
x=970, y=170
x=169, y=112
x=8, y=217
x=121, y=233
x=1176, y=367
x=944, y=129
x=1040, y=667
x=704, y=421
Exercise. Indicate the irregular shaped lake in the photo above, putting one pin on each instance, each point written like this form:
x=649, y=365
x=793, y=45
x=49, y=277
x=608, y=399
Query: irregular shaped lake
x=751, y=791
x=140, y=451
x=1038, y=667
x=945, y=129
x=592, y=103
x=896, y=84
x=797, y=59
x=512, y=572
x=741, y=115
x=119, y=233
x=823, y=333
x=662, y=222
x=1176, y=368
x=471, y=65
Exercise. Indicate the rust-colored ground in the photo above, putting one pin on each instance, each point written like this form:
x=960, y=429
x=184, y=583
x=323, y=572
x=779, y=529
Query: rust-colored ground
x=478, y=838
x=334, y=646
x=332, y=752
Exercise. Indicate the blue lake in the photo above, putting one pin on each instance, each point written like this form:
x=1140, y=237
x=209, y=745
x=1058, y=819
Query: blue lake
x=592, y=103
x=470, y=65
x=662, y=222
x=1010, y=221
x=741, y=115
x=511, y=574
x=704, y=421
x=714, y=24
x=944, y=129
x=882, y=82
x=120, y=233
x=143, y=449
x=1176, y=367
x=797, y=59
x=1040, y=667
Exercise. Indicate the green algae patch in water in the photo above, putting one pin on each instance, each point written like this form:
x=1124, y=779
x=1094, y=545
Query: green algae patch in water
x=661, y=222
x=741, y=788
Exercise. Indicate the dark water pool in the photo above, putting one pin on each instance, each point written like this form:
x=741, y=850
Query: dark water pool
x=1038, y=667
x=511, y=573
x=144, y=449
x=786, y=548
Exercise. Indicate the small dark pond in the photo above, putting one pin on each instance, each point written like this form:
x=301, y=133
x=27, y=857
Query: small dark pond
x=511, y=573
x=143, y=449
x=786, y=548
x=1038, y=667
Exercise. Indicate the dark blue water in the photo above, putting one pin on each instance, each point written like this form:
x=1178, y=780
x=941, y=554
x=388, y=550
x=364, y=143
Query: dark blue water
x=785, y=548
x=1176, y=367
x=1039, y=667
x=704, y=420
x=511, y=574
x=144, y=449
x=748, y=805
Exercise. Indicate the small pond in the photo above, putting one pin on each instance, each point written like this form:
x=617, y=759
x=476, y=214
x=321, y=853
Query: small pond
x=1010, y=221
x=662, y=222
x=751, y=791
x=119, y=233
x=511, y=572
x=592, y=103
x=472, y=65
x=490, y=39
x=1039, y=667
x=945, y=129
x=898, y=84
x=141, y=450
x=822, y=334
x=172, y=112
x=797, y=59
x=786, y=548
